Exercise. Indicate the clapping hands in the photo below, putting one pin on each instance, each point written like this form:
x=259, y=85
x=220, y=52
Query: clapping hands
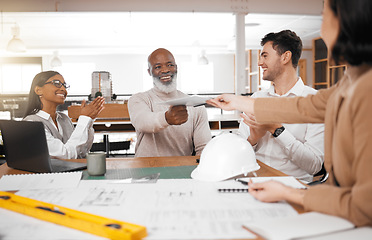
x=92, y=109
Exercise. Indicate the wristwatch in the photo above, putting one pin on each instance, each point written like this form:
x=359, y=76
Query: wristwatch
x=278, y=131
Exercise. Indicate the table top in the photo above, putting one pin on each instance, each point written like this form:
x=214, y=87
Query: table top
x=143, y=162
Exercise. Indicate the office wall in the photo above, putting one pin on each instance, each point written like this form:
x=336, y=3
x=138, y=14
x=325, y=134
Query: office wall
x=129, y=71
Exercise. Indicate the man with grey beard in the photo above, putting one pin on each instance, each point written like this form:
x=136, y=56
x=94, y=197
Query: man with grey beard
x=166, y=130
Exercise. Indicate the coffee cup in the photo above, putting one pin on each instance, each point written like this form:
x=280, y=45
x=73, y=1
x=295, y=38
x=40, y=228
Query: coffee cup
x=96, y=164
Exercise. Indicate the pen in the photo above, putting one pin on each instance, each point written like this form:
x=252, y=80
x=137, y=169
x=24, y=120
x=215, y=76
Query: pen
x=198, y=105
x=242, y=181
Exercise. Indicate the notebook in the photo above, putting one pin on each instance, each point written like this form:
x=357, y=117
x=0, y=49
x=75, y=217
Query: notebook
x=26, y=148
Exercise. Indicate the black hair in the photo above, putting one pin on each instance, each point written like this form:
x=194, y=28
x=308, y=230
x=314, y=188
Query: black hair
x=354, y=41
x=34, y=103
x=283, y=41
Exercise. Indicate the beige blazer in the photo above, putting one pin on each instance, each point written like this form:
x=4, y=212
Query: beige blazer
x=346, y=110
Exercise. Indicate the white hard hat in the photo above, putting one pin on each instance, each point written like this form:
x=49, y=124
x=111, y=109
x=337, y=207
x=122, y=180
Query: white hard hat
x=224, y=157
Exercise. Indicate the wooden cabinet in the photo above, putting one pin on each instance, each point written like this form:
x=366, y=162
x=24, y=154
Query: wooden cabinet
x=325, y=73
x=112, y=111
x=224, y=121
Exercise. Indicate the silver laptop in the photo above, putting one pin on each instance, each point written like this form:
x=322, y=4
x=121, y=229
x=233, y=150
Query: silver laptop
x=26, y=148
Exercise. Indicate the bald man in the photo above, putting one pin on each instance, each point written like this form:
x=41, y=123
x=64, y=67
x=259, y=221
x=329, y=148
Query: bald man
x=166, y=130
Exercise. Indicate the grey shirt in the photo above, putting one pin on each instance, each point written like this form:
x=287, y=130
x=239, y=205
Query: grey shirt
x=66, y=142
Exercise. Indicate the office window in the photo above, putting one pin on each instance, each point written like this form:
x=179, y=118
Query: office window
x=16, y=74
x=191, y=78
x=194, y=78
x=78, y=75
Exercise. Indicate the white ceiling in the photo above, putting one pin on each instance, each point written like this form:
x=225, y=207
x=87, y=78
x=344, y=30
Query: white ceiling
x=136, y=32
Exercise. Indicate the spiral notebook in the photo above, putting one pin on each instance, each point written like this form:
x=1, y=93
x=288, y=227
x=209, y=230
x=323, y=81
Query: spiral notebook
x=26, y=148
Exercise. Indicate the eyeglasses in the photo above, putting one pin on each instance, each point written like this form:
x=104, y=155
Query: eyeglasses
x=58, y=84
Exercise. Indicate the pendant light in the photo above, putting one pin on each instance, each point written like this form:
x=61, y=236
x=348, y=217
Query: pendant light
x=56, y=61
x=16, y=44
x=202, y=60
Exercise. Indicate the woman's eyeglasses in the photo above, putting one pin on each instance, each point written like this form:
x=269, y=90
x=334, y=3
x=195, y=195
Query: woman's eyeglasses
x=58, y=84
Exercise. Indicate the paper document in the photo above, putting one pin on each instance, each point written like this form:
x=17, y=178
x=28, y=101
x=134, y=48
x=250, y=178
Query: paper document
x=15, y=226
x=299, y=226
x=361, y=233
x=40, y=181
x=153, y=178
x=170, y=209
x=193, y=100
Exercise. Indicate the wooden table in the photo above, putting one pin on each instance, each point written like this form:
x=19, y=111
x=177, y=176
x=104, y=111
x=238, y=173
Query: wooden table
x=144, y=162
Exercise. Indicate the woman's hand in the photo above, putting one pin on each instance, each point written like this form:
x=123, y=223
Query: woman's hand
x=92, y=109
x=232, y=102
x=272, y=191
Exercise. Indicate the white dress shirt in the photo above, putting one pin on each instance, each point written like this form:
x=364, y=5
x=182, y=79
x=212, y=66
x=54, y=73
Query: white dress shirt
x=299, y=150
x=77, y=145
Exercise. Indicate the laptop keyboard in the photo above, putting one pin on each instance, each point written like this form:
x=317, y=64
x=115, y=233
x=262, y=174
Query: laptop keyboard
x=66, y=166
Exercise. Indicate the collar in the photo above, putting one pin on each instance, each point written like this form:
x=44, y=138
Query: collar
x=164, y=95
x=354, y=72
x=46, y=115
x=296, y=90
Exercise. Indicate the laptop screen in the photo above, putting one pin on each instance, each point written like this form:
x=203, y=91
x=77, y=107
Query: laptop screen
x=25, y=145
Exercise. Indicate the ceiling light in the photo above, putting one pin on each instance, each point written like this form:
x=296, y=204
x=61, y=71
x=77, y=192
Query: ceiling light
x=56, y=61
x=16, y=44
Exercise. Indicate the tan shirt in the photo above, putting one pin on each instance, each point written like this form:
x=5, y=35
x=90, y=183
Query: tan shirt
x=346, y=110
x=155, y=137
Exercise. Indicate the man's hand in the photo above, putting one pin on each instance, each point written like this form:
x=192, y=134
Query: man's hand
x=92, y=109
x=257, y=130
x=176, y=115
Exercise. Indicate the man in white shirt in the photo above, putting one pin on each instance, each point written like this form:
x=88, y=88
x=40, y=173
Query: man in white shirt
x=295, y=149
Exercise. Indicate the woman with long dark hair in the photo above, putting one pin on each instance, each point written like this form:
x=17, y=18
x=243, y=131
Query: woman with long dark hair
x=346, y=110
x=48, y=90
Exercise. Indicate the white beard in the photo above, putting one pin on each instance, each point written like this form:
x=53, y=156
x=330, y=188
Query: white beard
x=166, y=87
